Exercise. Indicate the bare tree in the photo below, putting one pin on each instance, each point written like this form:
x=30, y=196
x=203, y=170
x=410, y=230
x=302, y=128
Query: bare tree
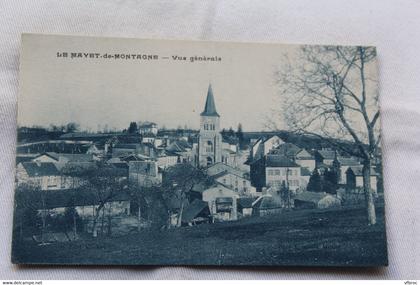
x=179, y=181
x=104, y=184
x=331, y=93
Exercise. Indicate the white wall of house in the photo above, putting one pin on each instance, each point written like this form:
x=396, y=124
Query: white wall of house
x=373, y=182
x=237, y=183
x=166, y=161
x=210, y=195
x=275, y=176
x=308, y=163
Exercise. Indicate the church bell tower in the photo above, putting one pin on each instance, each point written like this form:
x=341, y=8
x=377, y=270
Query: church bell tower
x=210, y=139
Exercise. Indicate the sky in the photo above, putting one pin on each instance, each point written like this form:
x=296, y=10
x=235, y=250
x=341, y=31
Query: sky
x=99, y=92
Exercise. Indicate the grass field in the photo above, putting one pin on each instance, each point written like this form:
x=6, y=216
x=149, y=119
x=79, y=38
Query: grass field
x=309, y=237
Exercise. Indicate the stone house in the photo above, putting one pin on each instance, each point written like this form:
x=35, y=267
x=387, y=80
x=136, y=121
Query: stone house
x=44, y=175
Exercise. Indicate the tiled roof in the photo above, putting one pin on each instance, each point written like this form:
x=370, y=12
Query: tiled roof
x=245, y=202
x=78, y=157
x=327, y=154
x=268, y=202
x=304, y=171
x=127, y=145
x=193, y=210
x=286, y=149
x=34, y=169
x=348, y=161
x=210, y=107
x=308, y=196
x=358, y=170
x=279, y=161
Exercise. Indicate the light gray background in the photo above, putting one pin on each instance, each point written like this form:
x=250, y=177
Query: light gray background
x=393, y=26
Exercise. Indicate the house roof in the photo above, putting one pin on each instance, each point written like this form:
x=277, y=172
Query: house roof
x=127, y=145
x=179, y=146
x=51, y=154
x=327, y=154
x=304, y=171
x=193, y=210
x=358, y=170
x=200, y=187
x=84, y=135
x=77, y=157
x=148, y=125
x=313, y=197
x=286, y=149
x=226, y=168
x=245, y=202
x=268, y=202
x=149, y=135
x=37, y=169
x=210, y=107
x=279, y=161
x=348, y=161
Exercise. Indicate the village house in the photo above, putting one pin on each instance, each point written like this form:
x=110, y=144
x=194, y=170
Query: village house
x=263, y=146
x=61, y=160
x=44, y=175
x=354, y=178
x=144, y=173
x=245, y=206
x=149, y=138
x=344, y=163
x=315, y=200
x=148, y=128
x=86, y=203
x=183, y=150
x=222, y=202
x=305, y=159
x=233, y=178
x=197, y=212
x=279, y=169
x=325, y=156
x=166, y=158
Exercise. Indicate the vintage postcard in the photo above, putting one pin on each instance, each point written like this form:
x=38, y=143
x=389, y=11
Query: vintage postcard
x=154, y=152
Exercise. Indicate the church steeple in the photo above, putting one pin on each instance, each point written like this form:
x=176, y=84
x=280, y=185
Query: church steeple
x=210, y=108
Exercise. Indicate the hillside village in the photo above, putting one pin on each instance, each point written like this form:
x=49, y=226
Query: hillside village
x=100, y=181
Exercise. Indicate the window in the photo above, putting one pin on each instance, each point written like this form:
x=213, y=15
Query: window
x=209, y=146
x=270, y=172
x=209, y=161
x=277, y=171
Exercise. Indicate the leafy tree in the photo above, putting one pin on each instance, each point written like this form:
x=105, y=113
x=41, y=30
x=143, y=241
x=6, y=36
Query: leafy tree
x=330, y=183
x=315, y=184
x=72, y=127
x=240, y=136
x=132, y=129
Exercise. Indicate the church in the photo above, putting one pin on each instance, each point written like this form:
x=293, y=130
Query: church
x=209, y=139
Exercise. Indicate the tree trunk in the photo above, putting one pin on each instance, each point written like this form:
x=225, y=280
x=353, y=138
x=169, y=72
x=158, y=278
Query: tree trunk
x=74, y=224
x=370, y=206
x=139, y=218
x=180, y=215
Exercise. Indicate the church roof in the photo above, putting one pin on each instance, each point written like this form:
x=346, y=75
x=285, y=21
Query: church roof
x=210, y=108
